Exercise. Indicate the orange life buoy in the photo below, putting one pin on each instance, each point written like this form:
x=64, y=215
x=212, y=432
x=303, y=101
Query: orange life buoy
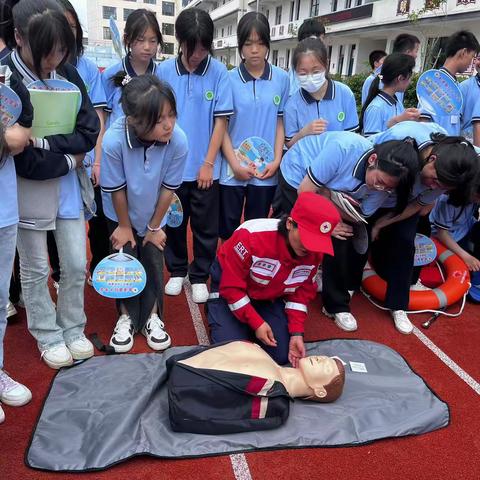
x=457, y=283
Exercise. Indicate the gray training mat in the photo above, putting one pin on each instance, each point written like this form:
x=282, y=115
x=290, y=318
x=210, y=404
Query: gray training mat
x=111, y=408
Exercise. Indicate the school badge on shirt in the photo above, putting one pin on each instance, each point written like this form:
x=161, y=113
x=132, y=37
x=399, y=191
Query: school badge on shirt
x=276, y=99
x=209, y=95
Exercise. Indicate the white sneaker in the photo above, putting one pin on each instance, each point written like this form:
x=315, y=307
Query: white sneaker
x=199, y=292
x=174, y=286
x=13, y=393
x=57, y=357
x=81, y=349
x=402, y=322
x=154, y=331
x=11, y=310
x=418, y=287
x=122, y=338
x=56, y=286
x=345, y=320
x=2, y=415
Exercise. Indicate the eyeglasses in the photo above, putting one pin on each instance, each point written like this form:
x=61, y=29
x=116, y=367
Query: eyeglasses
x=382, y=188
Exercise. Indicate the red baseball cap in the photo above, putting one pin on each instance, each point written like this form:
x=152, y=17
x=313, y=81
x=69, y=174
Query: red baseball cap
x=316, y=218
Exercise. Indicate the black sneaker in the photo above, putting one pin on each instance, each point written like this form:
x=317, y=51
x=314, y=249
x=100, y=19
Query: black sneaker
x=154, y=331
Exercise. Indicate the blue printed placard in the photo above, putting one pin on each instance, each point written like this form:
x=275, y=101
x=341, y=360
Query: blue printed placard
x=438, y=94
x=119, y=276
x=425, y=250
x=175, y=212
x=257, y=151
x=116, y=38
x=10, y=106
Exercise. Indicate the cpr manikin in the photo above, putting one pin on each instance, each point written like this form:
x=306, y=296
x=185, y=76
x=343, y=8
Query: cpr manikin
x=237, y=386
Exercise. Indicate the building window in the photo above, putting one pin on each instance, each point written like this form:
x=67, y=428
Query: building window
x=314, y=7
x=358, y=3
x=275, y=57
x=329, y=57
x=287, y=60
x=223, y=32
x=168, y=48
x=278, y=15
x=292, y=11
x=168, y=29
x=334, y=5
x=109, y=12
x=267, y=14
x=297, y=13
x=127, y=12
x=351, y=59
x=168, y=9
x=230, y=30
x=341, y=56
x=107, y=34
x=348, y=3
x=215, y=32
x=151, y=2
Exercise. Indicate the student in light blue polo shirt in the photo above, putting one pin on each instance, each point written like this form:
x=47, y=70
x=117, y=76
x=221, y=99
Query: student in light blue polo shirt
x=310, y=28
x=142, y=38
x=375, y=59
x=382, y=109
x=144, y=155
x=321, y=103
x=259, y=91
x=470, y=124
x=90, y=74
x=457, y=228
x=348, y=163
x=447, y=164
x=460, y=49
x=204, y=101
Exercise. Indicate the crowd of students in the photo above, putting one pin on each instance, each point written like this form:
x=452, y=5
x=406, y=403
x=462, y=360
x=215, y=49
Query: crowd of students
x=147, y=130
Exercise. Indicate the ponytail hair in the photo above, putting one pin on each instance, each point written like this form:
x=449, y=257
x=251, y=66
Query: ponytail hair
x=456, y=166
x=143, y=99
x=394, y=66
x=400, y=159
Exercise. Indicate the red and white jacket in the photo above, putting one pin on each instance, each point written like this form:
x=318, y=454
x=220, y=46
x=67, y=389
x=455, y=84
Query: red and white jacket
x=257, y=264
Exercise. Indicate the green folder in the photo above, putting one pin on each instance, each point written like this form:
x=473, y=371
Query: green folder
x=55, y=107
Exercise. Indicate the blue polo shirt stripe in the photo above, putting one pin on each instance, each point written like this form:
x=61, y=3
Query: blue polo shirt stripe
x=380, y=110
x=141, y=168
x=337, y=107
x=258, y=102
x=201, y=97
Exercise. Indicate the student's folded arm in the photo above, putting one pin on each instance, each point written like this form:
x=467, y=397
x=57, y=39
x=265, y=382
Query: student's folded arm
x=39, y=164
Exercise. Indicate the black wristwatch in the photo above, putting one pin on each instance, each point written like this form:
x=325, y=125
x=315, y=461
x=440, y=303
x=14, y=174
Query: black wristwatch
x=296, y=334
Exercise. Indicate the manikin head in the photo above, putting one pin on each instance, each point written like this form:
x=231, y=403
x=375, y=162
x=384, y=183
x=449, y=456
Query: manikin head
x=324, y=375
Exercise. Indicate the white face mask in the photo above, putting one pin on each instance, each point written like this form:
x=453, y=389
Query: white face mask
x=312, y=83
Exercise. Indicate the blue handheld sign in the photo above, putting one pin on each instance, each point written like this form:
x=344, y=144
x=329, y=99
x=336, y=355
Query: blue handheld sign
x=10, y=106
x=438, y=93
x=119, y=276
x=175, y=212
x=257, y=151
x=116, y=38
x=425, y=250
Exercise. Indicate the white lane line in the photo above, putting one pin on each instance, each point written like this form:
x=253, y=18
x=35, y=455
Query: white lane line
x=239, y=461
x=471, y=382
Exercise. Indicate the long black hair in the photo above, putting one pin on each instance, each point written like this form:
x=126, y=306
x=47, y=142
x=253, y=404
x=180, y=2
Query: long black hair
x=143, y=99
x=456, y=165
x=194, y=26
x=136, y=25
x=394, y=66
x=42, y=24
x=68, y=8
x=399, y=159
x=249, y=22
